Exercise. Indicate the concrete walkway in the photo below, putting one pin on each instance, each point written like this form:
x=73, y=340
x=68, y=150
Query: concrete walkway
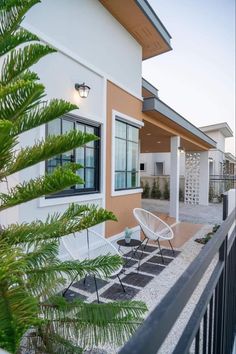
x=197, y=214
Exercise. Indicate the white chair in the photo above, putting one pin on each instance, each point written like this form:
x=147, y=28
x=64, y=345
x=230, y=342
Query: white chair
x=89, y=245
x=153, y=228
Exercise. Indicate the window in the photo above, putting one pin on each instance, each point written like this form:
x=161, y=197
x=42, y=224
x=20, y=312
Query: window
x=159, y=168
x=126, y=156
x=142, y=167
x=87, y=156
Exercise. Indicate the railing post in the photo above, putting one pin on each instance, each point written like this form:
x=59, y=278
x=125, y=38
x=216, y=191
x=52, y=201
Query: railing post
x=221, y=293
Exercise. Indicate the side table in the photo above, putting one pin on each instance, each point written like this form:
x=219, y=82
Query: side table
x=134, y=244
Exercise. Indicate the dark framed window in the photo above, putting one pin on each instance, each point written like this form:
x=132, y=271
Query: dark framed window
x=126, y=156
x=88, y=156
x=142, y=167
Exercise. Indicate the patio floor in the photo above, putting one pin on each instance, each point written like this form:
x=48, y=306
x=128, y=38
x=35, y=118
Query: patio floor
x=199, y=214
x=133, y=278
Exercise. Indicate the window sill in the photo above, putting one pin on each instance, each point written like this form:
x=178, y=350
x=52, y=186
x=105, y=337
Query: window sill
x=45, y=202
x=126, y=192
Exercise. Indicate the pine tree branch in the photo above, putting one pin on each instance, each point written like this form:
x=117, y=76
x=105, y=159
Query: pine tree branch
x=59, y=179
x=7, y=143
x=20, y=60
x=12, y=13
x=42, y=114
x=94, y=324
x=21, y=101
x=11, y=41
x=46, y=149
x=75, y=219
x=17, y=308
x=101, y=266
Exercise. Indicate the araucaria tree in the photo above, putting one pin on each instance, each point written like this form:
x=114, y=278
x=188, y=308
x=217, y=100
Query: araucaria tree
x=31, y=312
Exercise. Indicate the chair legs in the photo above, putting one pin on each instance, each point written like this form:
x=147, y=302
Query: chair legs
x=96, y=287
x=65, y=291
x=172, y=248
x=160, y=251
x=121, y=283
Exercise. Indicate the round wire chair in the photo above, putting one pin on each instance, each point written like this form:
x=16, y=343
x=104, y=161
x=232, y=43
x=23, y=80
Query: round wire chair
x=89, y=245
x=153, y=227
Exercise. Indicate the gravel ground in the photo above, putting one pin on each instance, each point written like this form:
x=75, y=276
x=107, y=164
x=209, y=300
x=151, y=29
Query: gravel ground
x=197, y=214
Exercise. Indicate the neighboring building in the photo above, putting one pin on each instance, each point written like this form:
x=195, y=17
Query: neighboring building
x=217, y=157
x=99, y=43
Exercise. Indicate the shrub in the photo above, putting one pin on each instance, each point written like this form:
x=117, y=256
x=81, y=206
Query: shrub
x=166, y=193
x=146, y=190
x=156, y=193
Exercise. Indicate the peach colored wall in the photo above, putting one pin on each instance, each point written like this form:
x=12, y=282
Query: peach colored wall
x=121, y=206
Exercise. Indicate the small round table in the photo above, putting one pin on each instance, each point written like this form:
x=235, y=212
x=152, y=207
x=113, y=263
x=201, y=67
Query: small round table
x=134, y=244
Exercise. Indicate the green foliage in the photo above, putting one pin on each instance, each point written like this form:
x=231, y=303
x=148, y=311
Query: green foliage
x=155, y=192
x=166, y=193
x=208, y=236
x=146, y=190
x=211, y=193
x=31, y=273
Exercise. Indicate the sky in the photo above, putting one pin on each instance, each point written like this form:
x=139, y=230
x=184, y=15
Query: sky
x=197, y=78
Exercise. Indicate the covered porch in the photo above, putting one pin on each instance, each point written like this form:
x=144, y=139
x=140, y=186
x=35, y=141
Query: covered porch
x=166, y=131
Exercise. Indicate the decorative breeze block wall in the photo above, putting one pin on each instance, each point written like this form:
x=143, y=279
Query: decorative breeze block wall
x=192, y=177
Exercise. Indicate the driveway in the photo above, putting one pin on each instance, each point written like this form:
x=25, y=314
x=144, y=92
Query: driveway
x=197, y=214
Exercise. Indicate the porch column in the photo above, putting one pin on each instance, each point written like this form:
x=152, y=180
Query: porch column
x=204, y=178
x=174, y=177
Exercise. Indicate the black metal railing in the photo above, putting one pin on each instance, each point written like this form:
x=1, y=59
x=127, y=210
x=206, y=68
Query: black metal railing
x=219, y=184
x=212, y=326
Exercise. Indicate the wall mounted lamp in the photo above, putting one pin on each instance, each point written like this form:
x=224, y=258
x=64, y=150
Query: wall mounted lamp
x=82, y=89
x=181, y=149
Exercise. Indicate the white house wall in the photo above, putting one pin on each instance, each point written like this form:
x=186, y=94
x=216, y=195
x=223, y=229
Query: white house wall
x=150, y=159
x=59, y=74
x=88, y=30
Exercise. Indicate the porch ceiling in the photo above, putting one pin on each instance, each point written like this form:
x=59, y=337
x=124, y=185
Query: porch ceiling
x=163, y=120
x=157, y=139
x=142, y=23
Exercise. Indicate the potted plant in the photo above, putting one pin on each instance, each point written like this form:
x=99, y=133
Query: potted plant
x=128, y=234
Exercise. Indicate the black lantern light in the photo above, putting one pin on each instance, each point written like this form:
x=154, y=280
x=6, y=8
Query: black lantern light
x=82, y=89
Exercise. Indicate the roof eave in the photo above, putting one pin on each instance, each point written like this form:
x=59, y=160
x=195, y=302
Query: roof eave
x=155, y=104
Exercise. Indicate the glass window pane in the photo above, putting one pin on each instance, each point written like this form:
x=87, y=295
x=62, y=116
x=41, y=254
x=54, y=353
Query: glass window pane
x=89, y=178
x=90, y=158
x=67, y=126
x=54, y=127
x=68, y=157
x=133, y=133
x=80, y=156
x=80, y=173
x=80, y=127
x=90, y=130
x=120, y=155
x=132, y=180
x=120, y=129
x=120, y=182
x=53, y=163
x=132, y=156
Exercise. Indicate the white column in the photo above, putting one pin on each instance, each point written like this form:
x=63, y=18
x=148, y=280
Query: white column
x=204, y=178
x=174, y=177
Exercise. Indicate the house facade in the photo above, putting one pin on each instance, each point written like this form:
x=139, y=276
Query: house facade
x=98, y=43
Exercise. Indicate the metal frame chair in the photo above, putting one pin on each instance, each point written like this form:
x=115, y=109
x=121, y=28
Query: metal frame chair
x=153, y=228
x=96, y=245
